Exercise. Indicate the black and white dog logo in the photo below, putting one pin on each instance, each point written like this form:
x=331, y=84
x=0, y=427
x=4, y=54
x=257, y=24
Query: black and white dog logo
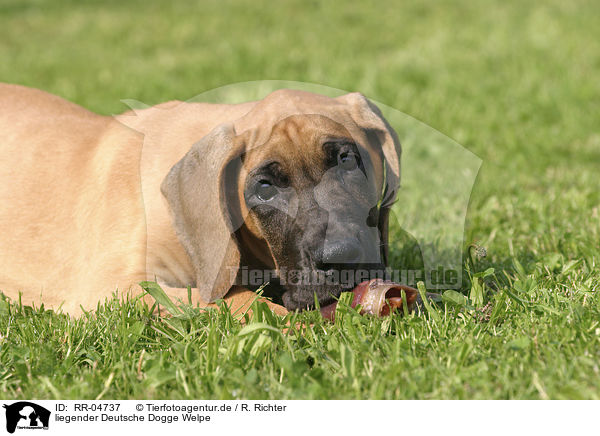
x=26, y=415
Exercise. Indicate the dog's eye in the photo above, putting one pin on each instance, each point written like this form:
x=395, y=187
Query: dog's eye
x=348, y=160
x=265, y=190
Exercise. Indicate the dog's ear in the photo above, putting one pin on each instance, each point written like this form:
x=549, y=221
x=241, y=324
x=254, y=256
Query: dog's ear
x=381, y=135
x=201, y=190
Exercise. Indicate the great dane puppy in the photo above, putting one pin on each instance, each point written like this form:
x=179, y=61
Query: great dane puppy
x=193, y=194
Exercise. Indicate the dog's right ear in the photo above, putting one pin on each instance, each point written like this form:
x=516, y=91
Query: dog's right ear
x=199, y=190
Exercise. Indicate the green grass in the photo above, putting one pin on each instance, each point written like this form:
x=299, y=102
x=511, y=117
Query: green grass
x=514, y=82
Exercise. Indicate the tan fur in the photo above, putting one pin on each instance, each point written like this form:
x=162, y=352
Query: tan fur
x=82, y=212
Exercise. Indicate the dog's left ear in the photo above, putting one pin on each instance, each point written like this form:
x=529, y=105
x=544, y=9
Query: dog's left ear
x=201, y=192
x=381, y=135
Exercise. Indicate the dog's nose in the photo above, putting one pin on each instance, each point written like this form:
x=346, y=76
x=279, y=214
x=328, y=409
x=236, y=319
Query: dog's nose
x=341, y=252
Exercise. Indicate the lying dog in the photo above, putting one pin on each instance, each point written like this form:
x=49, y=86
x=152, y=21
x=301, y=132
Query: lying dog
x=191, y=194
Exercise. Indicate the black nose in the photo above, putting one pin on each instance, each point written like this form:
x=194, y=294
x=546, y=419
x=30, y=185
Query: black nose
x=342, y=252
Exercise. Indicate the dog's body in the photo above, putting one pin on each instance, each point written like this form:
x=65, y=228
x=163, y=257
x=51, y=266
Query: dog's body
x=94, y=204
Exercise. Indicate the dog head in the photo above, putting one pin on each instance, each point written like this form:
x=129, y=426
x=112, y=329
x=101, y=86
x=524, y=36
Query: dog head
x=301, y=184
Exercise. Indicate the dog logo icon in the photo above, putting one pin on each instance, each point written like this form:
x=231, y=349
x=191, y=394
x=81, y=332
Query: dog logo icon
x=26, y=415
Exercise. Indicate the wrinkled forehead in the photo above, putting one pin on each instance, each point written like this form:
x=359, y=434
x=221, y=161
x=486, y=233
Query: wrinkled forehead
x=297, y=142
x=259, y=123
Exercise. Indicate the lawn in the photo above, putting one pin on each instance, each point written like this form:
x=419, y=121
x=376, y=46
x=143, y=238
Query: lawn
x=515, y=83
